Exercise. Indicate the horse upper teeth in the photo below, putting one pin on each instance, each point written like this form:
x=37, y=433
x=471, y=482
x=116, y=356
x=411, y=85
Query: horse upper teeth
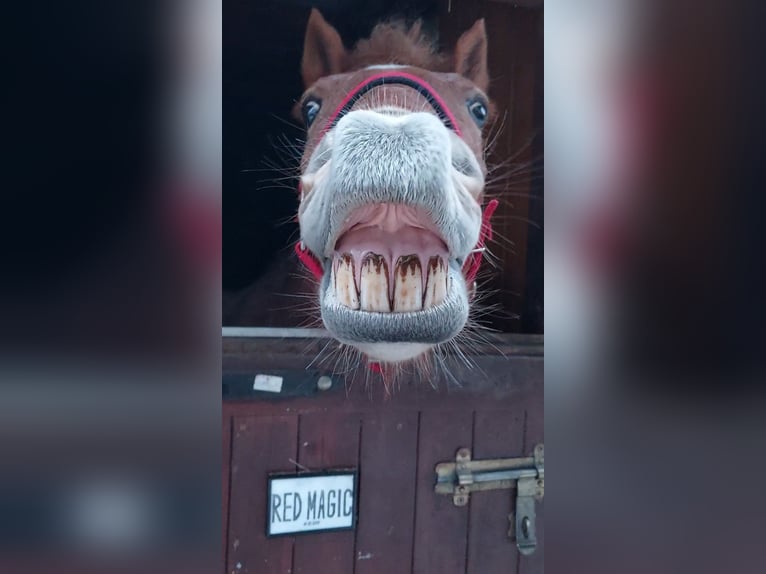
x=436, y=283
x=373, y=286
x=345, y=283
x=408, y=284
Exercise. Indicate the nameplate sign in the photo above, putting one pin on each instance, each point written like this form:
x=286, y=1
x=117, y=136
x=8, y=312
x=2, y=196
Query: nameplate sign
x=311, y=502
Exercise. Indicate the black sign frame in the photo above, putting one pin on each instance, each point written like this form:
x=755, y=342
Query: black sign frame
x=334, y=472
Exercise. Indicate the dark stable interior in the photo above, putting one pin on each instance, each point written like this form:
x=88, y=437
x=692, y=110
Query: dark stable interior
x=263, y=43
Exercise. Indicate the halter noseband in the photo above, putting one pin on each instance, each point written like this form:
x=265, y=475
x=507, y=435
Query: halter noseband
x=473, y=261
x=394, y=78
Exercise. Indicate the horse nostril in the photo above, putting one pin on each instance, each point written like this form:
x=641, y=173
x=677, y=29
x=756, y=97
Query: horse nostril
x=463, y=165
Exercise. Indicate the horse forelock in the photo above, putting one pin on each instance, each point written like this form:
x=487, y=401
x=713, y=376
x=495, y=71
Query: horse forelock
x=394, y=42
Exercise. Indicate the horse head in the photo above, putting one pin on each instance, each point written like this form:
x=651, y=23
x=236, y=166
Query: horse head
x=392, y=182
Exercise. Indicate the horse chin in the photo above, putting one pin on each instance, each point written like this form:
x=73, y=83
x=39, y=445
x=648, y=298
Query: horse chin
x=393, y=352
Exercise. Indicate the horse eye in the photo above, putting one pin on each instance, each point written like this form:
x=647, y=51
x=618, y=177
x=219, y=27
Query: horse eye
x=479, y=111
x=310, y=111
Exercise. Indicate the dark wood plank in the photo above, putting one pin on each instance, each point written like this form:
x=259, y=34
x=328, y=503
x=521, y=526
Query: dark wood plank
x=514, y=57
x=515, y=48
x=441, y=528
x=260, y=445
x=327, y=441
x=490, y=550
x=497, y=382
x=387, y=493
x=403, y=399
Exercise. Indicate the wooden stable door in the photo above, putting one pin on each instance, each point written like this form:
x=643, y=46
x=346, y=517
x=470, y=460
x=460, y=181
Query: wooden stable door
x=393, y=443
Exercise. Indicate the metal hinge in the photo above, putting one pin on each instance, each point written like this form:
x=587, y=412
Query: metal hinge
x=526, y=474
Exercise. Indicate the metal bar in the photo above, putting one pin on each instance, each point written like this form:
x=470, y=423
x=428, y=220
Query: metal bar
x=533, y=343
x=449, y=469
x=273, y=333
x=445, y=488
x=480, y=486
x=500, y=464
x=525, y=516
x=505, y=475
x=446, y=483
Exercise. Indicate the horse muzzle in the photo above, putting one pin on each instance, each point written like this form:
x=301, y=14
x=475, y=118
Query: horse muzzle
x=390, y=210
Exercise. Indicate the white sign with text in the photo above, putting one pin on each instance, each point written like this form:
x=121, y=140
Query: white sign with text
x=311, y=502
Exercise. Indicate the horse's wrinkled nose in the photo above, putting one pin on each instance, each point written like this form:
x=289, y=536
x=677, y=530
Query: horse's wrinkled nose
x=375, y=151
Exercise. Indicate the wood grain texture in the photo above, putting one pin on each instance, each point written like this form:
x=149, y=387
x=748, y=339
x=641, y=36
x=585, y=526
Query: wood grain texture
x=441, y=528
x=327, y=441
x=490, y=549
x=387, y=494
x=260, y=445
x=515, y=48
x=515, y=156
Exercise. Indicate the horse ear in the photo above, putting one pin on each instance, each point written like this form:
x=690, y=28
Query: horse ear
x=323, y=51
x=471, y=55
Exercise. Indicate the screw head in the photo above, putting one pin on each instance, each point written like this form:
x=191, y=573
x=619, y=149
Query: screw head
x=324, y=383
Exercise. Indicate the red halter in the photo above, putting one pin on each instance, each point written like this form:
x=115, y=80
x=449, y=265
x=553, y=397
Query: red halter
x=474, y=259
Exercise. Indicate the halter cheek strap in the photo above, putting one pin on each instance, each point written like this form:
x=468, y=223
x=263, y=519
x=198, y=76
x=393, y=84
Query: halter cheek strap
x=309, y=260
x=473, y=261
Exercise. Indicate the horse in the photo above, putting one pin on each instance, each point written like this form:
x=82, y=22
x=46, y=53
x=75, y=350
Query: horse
x=392, y=184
